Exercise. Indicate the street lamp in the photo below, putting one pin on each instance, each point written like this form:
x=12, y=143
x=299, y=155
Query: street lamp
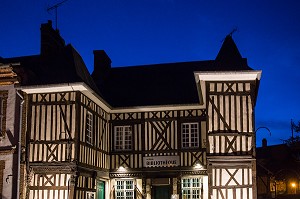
x=263, y=127
x=294, y=186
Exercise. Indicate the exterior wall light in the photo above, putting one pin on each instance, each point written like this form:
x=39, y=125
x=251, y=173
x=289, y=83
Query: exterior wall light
x=121, y=169
x=293, y=184
x=198, y=165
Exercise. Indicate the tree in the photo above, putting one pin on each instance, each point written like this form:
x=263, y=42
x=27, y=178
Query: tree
x=294, y=139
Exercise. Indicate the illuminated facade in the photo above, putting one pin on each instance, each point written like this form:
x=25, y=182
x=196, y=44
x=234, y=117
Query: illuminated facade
x=178, y=130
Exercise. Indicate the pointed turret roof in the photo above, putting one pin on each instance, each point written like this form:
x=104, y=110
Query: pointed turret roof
x=229, y=54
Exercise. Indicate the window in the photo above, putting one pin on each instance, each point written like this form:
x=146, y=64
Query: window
x=3, y=105
x=123, y=138
x=124, y=189
x=190, y=135
x=90, y=195
x=89, y=128
x=191, y=187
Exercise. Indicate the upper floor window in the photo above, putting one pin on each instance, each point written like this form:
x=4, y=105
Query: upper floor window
x=3, y=106
x=123, y=138
x=190, y=135
x=89, y=128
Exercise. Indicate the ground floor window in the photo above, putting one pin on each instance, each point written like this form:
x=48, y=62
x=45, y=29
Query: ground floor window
x=191, y=187
x=124, y=189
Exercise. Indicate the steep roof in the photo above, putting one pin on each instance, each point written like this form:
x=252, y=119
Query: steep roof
x=58, y=63
x=146, y=85
x=165, y=84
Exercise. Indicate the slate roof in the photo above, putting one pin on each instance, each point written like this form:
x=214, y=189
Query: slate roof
x=165, y=84
x=281, y=160
x=146, y=85
x=65, y=68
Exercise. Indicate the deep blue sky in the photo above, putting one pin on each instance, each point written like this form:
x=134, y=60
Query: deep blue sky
x=136, y=32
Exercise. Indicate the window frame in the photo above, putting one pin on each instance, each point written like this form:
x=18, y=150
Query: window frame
x=123, y=145
x=89, y=128
x=124, y=189
x=188, y=136
x=193, y=191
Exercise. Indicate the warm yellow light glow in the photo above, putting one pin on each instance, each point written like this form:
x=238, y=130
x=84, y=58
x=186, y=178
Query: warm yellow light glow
x=121, y=169
x=293, y=184
x=198, y=166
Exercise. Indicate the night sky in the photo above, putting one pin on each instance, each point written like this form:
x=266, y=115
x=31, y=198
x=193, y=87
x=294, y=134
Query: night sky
x=138, y=32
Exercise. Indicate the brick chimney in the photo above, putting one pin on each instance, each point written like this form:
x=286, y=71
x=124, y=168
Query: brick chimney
x=264, y=143
x=51, y=41
x=102, y=65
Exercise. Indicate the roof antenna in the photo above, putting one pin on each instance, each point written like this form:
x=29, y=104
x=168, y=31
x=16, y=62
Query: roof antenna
x=233, y=31
x=230, y=34
x=54, y=7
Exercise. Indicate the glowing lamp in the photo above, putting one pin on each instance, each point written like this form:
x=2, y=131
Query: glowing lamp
x=198, y=165
x=121, y=169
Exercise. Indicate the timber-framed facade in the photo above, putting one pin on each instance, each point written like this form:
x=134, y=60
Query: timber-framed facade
x=178, y=130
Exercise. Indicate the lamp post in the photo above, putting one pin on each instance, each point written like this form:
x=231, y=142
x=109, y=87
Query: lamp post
x=254, y=153
x=263, y=127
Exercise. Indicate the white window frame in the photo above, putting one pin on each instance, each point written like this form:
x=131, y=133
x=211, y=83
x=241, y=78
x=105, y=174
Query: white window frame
x=124, y=189
x=90, y=195
x=190, y=136
x=192, y=187
x=89, y=128
x=123, y=138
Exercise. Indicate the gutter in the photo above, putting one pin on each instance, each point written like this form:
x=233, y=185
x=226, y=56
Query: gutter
x=19, y=144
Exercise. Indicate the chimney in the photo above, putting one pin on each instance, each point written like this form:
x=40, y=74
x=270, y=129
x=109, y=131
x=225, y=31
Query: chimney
x=51, y=41
x=102, y=65
x=264, y=143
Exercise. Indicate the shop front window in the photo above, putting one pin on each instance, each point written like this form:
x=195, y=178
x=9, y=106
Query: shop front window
x=124, y=189
x=191, y=188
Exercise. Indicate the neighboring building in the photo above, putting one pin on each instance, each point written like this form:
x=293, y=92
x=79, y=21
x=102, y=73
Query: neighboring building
x=9, y=134
x=181, y=130
x=278, y=170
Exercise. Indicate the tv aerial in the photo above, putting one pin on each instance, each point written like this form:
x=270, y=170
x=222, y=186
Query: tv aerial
x=54, y=7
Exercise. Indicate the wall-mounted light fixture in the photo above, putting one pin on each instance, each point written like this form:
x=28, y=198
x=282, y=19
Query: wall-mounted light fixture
x=198, y=165
x=121, y=169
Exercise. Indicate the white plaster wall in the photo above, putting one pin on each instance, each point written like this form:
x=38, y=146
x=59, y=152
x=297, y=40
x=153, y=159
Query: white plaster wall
x=205, y=187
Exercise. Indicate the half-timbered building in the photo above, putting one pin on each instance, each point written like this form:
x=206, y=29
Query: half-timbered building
x=176, y=130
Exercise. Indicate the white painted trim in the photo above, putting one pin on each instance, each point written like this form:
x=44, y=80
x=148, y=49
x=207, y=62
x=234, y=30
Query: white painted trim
x=227, y=75
x=157, y=108
x=86, y=90
x=50, y=88
x=80, y=86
